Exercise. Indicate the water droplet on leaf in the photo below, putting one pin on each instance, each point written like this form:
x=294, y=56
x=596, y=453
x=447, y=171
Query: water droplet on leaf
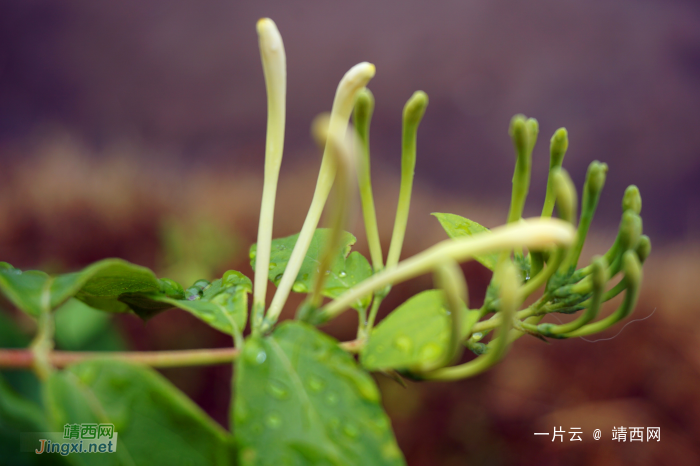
x=351, y=430
x=273, y=421
x=316, y=384
x=403, y=343
x=430, y=351
x=278, y=389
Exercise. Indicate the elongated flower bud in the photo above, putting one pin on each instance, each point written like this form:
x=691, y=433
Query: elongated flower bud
x=632, y=200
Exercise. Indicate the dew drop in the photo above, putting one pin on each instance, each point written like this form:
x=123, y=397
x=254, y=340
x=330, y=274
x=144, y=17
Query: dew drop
x=342, y=274
x=316, y=384
x=201, y=284
x=327, y=272
x=403, y=343
x=278, y=277
x=430, y=351
x=207, y=315
x=300, y=287
x=351, y=430
x=278, y=390
x=273, y=421
x=193, y=294
x=254, y=353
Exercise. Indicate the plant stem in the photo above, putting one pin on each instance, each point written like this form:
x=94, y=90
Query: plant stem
x=275, y=70
x=354, y=80
x=43, y=343
x=509, y=300
x=362, y=117
x=533, y=233
x=412, y=114
x=26, y=358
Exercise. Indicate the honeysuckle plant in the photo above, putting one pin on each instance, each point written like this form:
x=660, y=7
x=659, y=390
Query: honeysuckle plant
x=299, y=396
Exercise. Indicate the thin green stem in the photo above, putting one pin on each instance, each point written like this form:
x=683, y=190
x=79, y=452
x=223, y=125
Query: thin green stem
x=524, y=134
x=43, y=342
x=448, y=277
x=595, y=179
x=557, y=150
x=362, y=117
x=541, y=278
x=534, y=233
x=412, y=114
x=344, y=159
x=510, y=299
x=345, y=97
x=633, y=278
x=599, y=279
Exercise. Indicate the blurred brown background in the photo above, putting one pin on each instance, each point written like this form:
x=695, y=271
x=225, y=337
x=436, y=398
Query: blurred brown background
x=124, y=125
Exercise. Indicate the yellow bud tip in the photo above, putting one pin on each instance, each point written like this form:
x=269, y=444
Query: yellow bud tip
x=415, y=107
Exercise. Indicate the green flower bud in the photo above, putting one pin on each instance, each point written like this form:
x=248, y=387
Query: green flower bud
x=414, y=109
x=595, y=178
x=533, y=130
x=599, y=273
x=630, y=230
x=632, y=200
x=519, y=133
x=566, y=195
x=632, y=269
x=364, y=107
x=643, y=248
x=557, y=147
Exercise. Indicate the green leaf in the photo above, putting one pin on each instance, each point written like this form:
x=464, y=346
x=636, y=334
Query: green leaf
x=416, y=335
x=100, y=285
x=300, y=399
x=348, y=269
x=82, y=328
x=223, y=304
x=18, y=415
x=459, y=227
x=155, y=422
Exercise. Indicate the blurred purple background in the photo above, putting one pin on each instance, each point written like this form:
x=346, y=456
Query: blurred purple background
x=183, y=78
x=116, y=115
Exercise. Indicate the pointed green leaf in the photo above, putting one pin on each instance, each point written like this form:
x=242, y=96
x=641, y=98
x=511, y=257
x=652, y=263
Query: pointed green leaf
x=155, y=422
x=300, y=399
x=458, y=227
x=100, y=285
x=223, y=304
x=415, y=335
x=348, y=269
